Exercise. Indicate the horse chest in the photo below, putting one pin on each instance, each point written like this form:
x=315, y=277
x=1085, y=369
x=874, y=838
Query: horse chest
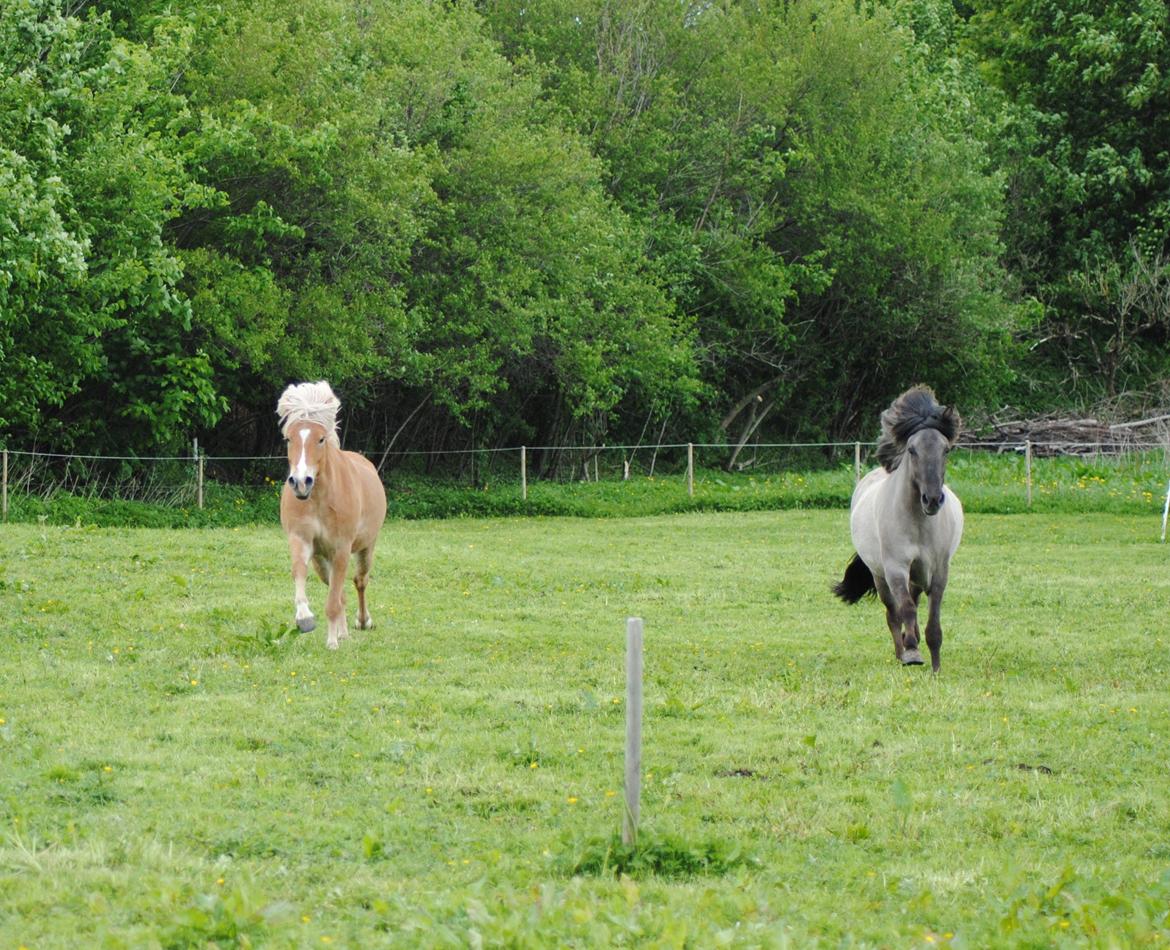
x=316, y=532
x=920, y=572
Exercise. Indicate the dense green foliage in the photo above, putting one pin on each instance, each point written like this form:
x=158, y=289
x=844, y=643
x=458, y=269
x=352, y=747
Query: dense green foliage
x=1085, y=143
x=573, y=221
x=182, y=770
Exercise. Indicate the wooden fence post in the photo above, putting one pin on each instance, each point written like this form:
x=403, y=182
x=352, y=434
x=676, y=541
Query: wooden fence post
x=1028, y=469
x=633, y=730
x=524, y=472
x=1165, y=512
x=5, y=480
x=856, y=462
x=691, y=469
x=198, y=474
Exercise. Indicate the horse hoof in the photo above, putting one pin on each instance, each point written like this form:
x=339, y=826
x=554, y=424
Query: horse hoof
x=306, y=624
x=331, y=644
x=911, y=658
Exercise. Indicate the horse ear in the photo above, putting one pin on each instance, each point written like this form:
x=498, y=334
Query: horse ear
x=952, y=424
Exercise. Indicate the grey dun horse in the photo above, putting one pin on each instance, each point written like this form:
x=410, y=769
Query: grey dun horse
x=906, y=524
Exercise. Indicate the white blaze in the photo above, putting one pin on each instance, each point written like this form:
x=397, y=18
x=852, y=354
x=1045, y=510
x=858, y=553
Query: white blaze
x=302, y=469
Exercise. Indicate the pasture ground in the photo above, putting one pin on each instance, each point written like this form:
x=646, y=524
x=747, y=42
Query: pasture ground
x=176, y=769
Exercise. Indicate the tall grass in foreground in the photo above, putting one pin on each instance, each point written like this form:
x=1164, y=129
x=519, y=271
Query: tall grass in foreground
x=987, y=483
x=181, y=769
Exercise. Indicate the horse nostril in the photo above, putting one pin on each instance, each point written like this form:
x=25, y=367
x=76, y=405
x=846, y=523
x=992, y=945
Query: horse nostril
x=925, y=499
x=291, y=480
x=308, y=480
x=941, y=498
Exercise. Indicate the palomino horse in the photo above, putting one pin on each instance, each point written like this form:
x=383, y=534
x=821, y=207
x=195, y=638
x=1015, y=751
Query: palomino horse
x=332, y=506
x=905, y=524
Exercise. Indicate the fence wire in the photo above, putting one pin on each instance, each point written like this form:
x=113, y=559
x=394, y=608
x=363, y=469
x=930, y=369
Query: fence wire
x=177, y=481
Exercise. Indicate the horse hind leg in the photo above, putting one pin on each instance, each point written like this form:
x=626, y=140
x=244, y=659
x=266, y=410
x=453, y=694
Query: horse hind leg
x=361, y=578
x=322, y=567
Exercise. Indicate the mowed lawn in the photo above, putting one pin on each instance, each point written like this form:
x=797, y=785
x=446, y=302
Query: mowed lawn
x=177, y=770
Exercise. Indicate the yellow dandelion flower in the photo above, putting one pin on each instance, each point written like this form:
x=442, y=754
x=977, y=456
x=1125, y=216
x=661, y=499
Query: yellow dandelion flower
x=572, y=799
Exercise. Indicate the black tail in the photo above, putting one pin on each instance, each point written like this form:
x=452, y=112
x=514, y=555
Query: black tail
x=857, y=582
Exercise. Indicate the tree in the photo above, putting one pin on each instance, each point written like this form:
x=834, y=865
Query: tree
x=1083, y=141
x=91, y=323
x=815, y=196
x=431, y=229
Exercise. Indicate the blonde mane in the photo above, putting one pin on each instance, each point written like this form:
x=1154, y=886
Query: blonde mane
x=309, y=402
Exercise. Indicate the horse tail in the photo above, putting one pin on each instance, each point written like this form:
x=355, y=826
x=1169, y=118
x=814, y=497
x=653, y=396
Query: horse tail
x=857, y=583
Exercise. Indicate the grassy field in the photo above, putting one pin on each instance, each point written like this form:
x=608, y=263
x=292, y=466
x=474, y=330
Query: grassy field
x=177, y=769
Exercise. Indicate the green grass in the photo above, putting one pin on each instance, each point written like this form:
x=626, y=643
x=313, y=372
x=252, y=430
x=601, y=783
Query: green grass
x=987, y=483
x=179, y=769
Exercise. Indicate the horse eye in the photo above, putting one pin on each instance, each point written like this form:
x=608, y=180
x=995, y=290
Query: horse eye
x=321, y=441
x=914, y=452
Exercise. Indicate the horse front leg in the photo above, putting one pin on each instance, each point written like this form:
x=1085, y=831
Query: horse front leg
x=301, y=552
x=907, y=609
x=892, y=619
x=938, y=584
x=335, y=605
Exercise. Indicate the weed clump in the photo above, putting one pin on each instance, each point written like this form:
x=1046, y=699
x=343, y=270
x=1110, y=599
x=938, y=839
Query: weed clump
x=657, y=855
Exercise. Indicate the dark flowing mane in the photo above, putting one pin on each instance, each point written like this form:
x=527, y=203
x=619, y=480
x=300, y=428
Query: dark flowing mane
x=915, y=410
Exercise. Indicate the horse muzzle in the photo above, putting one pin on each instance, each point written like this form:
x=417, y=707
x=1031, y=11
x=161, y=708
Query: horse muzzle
x=931, y=504
x=302, y=487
